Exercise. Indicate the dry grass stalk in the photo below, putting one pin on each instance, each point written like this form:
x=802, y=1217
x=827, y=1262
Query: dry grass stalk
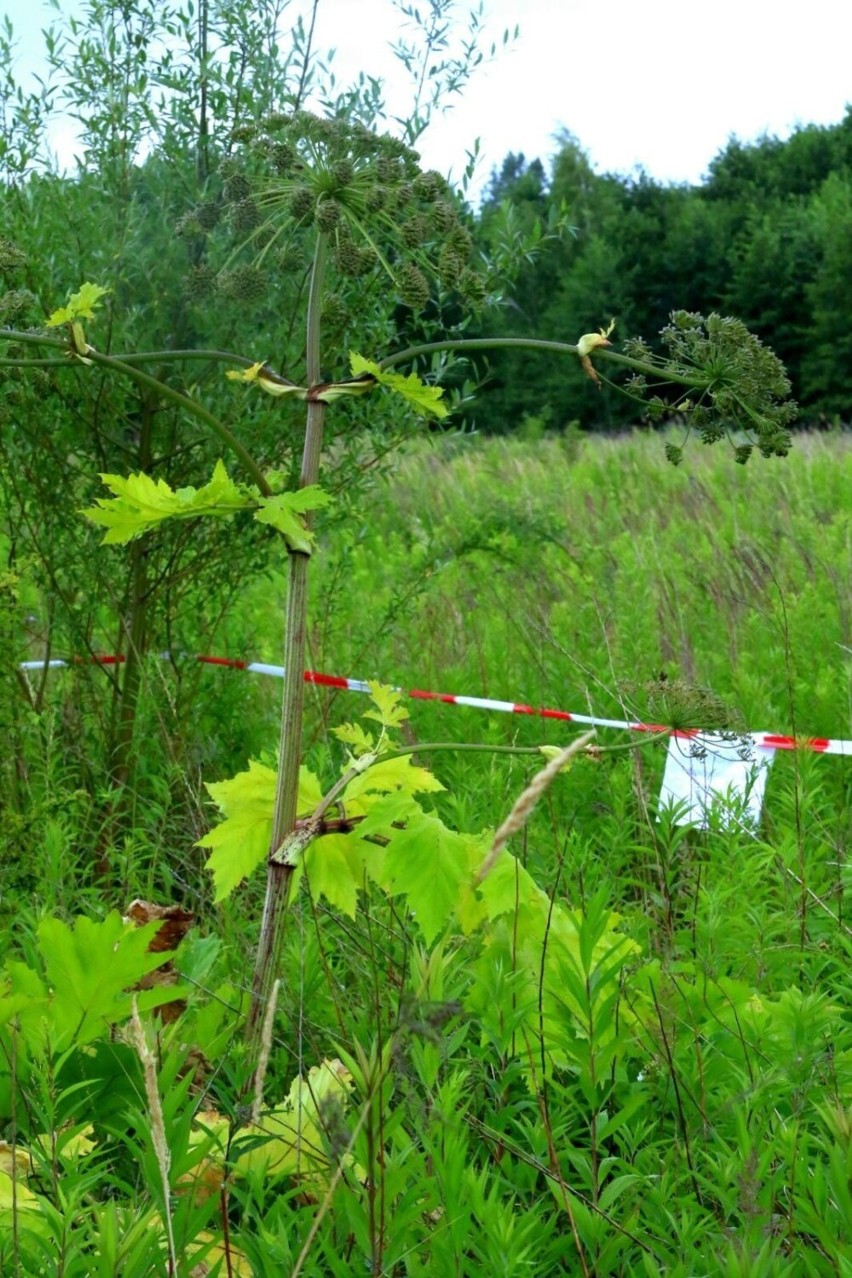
x=265, y=1049
x=526, y=801
x=158, y=1126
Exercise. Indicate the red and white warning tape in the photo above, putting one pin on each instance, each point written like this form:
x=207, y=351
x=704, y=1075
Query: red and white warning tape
x=769, y=740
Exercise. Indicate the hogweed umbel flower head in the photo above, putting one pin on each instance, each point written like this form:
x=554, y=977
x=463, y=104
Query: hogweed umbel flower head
x=300, y=172
x=738, y=388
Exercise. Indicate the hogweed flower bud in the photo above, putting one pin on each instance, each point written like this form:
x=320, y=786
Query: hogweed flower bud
x=590, y=342
x=451, y=263
x=413, y=286
x=443, y=216
x=387, y=169
x=343, y=172
x=11, y=257
x=352, y=260
x=199, y=281
x=243, y=283
x=301, y=202
x=283, y=157
x=415, y=231
x=376, y=198
x=245, y=215
x=237, y=187
x=327, y=214
x=207, y=214
x=428, y=186
x=472, y=287
x=188, y=227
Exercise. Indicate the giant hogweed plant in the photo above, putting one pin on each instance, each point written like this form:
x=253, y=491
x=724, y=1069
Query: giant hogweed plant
x=365, y=208
x=360, y=205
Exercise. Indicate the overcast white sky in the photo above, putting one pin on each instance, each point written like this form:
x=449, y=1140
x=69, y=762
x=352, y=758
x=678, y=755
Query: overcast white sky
x=659, y=85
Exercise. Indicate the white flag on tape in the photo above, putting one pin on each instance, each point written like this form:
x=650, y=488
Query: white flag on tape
x=715, y=772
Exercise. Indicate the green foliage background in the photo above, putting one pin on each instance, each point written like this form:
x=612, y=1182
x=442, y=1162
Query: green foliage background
x=764, y=237
x=630, y=1054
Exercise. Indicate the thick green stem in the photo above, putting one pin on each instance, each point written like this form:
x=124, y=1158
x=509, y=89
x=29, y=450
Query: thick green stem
x=174, y=355
x=390, y=361
x=474, y=344
x=536, y=344
x=657, y=372
x=279, y=877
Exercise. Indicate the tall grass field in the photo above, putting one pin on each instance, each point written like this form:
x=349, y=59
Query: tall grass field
x=636, y=1061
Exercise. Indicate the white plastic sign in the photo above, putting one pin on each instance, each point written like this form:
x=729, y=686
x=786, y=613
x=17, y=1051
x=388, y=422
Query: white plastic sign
x=710, y=772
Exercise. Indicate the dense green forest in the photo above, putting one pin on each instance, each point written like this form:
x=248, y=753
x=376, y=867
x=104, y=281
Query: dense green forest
x=766, y=237
x=297, y=981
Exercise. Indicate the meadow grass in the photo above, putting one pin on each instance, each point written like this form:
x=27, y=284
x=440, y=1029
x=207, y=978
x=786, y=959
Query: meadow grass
x=594, y=577
x=694, y=1112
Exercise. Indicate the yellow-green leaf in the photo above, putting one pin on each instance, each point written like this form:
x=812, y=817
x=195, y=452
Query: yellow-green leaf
x=240, y=842
x=429, y=864
x=81, y=305
x=67, y=1143
x=591, y=341
x=553, y=752
x=250, y=374
x=296, y=1146
x=352, y=734
x=425, y=399
x=334, y=868
x=90, y=969
x=267, y=379
x=389, y=712
x=392, y=774
x=141, y=503
x=288, y=1140
x=16, y=1198
x=286, y=511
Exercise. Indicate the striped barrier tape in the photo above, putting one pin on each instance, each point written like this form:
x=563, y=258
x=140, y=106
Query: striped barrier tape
x=769, y=740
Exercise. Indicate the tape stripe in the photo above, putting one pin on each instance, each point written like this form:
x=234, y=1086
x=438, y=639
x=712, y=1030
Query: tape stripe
x=768, y=740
